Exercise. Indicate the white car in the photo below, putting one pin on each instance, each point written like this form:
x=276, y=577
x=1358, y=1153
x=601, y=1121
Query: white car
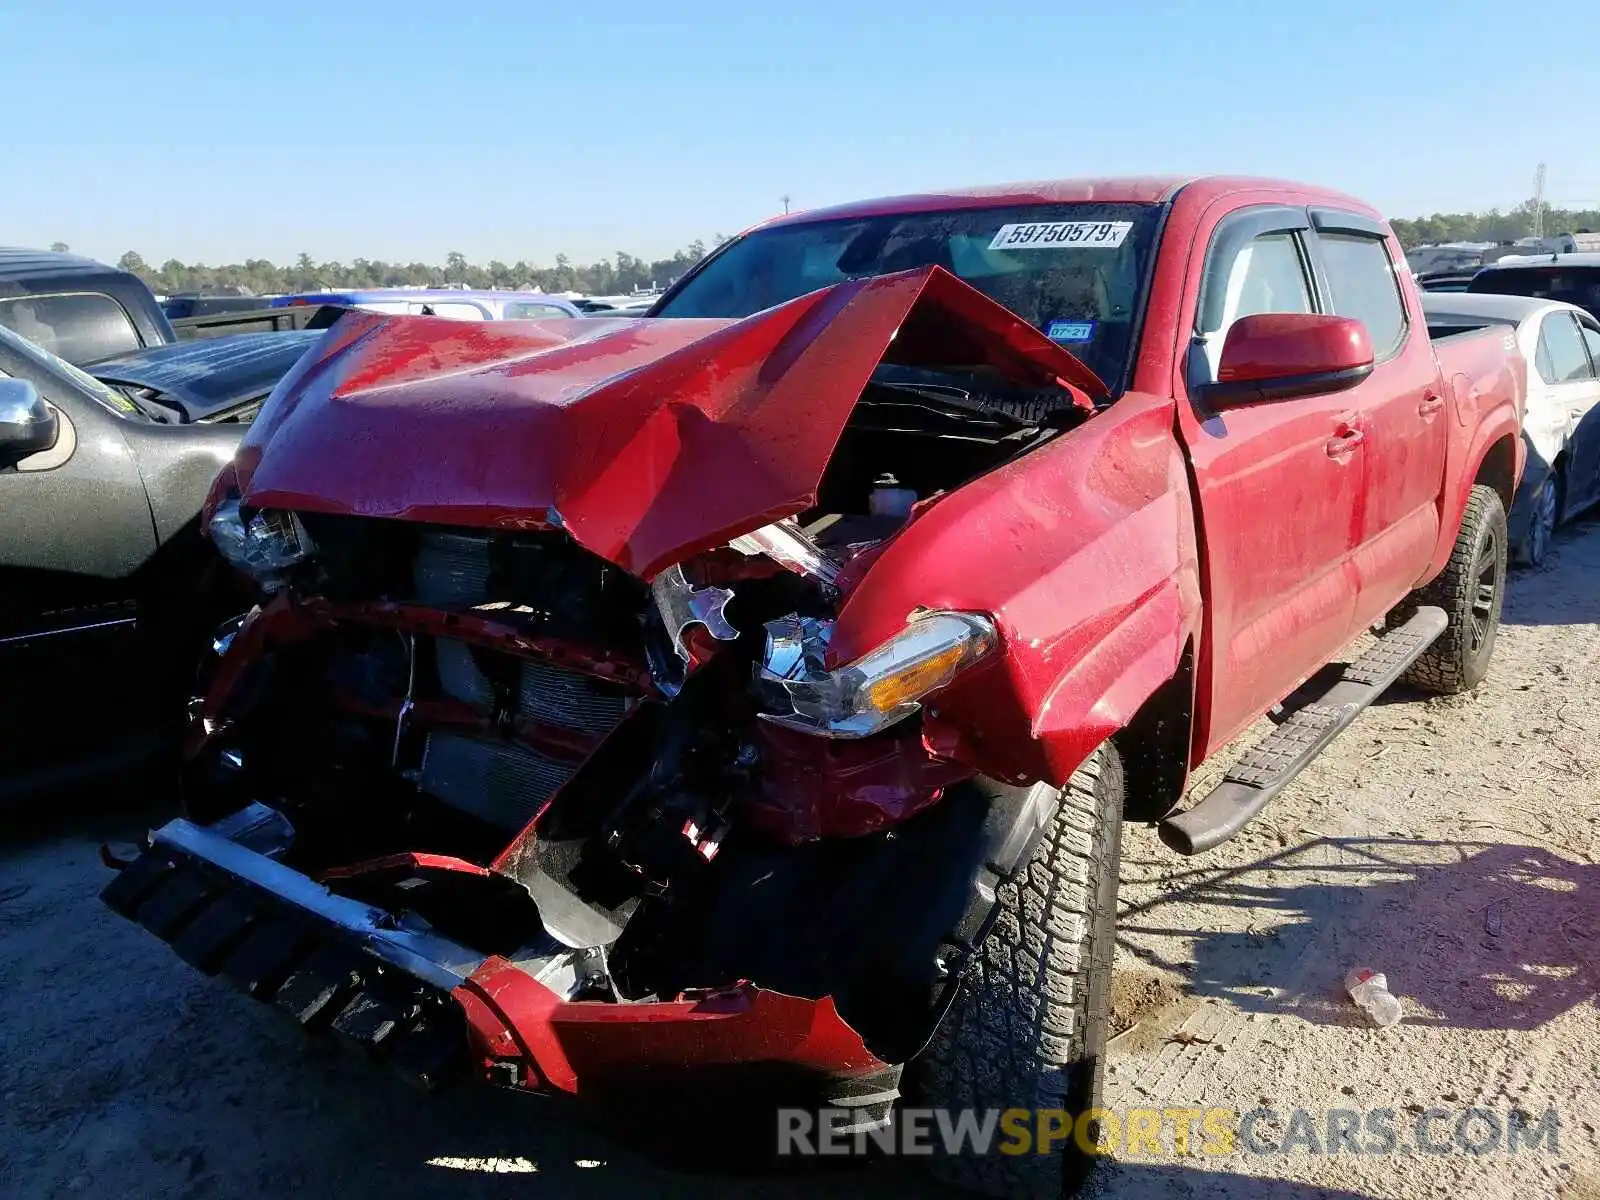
x=1561, y=343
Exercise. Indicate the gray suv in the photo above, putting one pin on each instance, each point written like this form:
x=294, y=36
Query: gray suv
x=106, y=588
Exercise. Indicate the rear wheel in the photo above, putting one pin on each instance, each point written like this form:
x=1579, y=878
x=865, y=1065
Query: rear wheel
x=1028, y=1029
x=1542, y=521
x=1471, y=590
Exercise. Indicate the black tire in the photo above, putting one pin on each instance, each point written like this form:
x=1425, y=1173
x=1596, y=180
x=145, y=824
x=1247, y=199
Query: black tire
x=1546, y=504
x=1028, y=1029
x=1471, y=590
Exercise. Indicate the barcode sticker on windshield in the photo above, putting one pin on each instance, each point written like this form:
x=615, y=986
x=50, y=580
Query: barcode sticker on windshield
x=1057, y=235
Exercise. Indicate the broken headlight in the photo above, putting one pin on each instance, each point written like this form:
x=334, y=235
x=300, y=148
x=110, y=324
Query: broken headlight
x=876, y=690
x=262, y=543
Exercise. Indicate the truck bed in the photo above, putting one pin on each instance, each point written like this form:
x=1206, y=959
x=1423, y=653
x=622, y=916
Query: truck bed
x=1478, y=362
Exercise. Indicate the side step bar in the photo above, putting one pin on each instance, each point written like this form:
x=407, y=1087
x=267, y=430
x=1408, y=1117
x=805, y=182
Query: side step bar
x=1267, y=768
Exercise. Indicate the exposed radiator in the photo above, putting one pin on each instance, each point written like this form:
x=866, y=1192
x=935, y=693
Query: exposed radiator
x=548, y=694
x=569, y=699
x=451, y=569
x=498, y=781
x=460, y=677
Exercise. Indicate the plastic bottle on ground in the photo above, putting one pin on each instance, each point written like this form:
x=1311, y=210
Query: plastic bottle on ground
x=1370, y=990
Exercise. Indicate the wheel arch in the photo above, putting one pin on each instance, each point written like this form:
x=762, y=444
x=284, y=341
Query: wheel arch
x=1499, y=468
x=1496, y=459
x=1156, y=745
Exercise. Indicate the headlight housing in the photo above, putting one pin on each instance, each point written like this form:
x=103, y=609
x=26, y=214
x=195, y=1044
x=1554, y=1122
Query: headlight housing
x=262, y=543
x=876, y=690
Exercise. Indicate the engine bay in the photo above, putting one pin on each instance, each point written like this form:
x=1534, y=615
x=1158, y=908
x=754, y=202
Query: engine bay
x=666, y=786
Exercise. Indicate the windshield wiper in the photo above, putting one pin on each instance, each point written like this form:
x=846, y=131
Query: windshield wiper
x=153, y=406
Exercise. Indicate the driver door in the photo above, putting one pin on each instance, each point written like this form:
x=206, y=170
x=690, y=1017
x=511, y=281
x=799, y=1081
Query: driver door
x=1279, y=485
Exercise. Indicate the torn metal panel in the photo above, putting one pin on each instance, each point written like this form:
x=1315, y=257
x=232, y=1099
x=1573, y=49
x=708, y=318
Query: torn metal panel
x=622, y=426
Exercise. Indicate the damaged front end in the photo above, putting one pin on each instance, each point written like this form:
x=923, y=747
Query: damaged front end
x=565, y=794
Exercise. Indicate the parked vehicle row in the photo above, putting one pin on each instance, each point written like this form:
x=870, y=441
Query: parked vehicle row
x=456, y=304
x=1569, y=278
x=760, y=696
x=1560, y=345
x=1444, y=262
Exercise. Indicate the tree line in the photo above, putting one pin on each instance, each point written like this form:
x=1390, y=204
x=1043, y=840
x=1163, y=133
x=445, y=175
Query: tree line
x=1492, y=226
x=627, y=272
x=257, y=276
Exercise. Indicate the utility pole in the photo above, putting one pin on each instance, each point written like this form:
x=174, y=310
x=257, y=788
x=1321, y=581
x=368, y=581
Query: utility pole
x=1538, y=202
x=785, y=199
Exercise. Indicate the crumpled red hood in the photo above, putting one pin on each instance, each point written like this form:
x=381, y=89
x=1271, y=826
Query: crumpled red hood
x=648, y=440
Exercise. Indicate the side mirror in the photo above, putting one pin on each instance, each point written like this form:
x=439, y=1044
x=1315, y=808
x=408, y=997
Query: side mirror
x=27, y=424
x=1277, y=356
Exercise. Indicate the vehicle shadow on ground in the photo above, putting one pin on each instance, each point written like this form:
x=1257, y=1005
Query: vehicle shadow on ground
x=1565, y=590
x=486, y=1144
x=120, y=811
x=1472, y=935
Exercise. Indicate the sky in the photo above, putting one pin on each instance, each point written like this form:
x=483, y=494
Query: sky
x=400, y=130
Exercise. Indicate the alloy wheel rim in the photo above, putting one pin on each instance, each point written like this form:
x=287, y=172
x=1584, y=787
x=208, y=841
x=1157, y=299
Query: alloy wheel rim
x=1486, y=587
x=1544, y=521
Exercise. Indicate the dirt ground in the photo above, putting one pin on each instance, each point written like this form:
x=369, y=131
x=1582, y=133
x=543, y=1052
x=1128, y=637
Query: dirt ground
x=1451, y=844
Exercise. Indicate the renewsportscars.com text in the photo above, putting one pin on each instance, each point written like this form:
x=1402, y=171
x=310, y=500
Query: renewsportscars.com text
x=1174, y=1131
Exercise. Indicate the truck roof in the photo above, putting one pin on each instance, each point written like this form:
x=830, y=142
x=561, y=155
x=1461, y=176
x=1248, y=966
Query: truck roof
x=22, y=268
x=29, y=274
x=1132, y=189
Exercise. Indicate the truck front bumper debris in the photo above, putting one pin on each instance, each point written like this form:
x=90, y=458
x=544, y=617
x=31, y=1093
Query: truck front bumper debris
x=436, y=1010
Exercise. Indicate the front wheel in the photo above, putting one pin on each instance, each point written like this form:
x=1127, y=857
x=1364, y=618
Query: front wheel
x=1471, y=590
x=1028, y=1029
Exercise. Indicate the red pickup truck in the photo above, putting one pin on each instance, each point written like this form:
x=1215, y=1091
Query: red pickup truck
x=754, y=693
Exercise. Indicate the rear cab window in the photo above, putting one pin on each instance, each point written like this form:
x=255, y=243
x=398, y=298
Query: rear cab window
x=80, y=327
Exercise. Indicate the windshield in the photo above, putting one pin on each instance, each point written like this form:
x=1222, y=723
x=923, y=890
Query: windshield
x=1575, y=285
x=116, y=401
x=1075, y=271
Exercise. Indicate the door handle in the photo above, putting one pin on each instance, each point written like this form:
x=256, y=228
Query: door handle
x=1430, y=406
x=1344, y=442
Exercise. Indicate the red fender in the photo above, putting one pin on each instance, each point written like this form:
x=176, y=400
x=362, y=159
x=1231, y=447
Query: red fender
x=1090, y=570
x=1465, y=460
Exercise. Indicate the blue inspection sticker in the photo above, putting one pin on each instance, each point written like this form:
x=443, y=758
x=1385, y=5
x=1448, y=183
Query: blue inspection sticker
x=1070, y=331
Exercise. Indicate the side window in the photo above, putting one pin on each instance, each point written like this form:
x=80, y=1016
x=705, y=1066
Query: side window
x=1362, y=284
x=1266, y=274
x=81, y=327
x=1591, y=339
x=457, y=310
x=1542, y=362
x=528, y=310
x=1562, y=345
